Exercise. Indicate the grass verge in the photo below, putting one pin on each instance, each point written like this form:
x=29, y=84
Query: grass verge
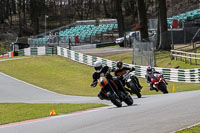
x=194, y=129
x=15, y=112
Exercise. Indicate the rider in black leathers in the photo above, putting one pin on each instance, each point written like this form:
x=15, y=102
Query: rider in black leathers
x=121, y=70
x=99, y=69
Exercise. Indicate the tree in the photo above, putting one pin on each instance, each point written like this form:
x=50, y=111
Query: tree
x=37, y=7
x=105, y=9
x=163, y=29
x=120, y=18
x=142, y=19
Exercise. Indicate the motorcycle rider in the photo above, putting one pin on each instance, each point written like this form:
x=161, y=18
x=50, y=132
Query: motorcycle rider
x=149, y=74
x=121, y=70
x=99, y=69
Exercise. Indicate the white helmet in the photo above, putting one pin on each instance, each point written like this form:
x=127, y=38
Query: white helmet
x=98, y=66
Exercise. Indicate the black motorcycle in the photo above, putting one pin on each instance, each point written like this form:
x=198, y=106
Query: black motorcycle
x=131, y=82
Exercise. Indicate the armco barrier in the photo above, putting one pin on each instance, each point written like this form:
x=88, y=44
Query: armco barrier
x=38, y=51
x=170, y=74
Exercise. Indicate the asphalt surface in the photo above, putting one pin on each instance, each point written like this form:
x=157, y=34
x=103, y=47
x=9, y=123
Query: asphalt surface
x=150, y=114
x=101, y=52
x=13, y=90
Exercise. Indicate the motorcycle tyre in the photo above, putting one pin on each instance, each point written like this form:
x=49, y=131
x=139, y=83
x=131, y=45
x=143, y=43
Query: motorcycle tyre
x=135, y=91
x=128, y=100
x=116, y=101
x=162, y=87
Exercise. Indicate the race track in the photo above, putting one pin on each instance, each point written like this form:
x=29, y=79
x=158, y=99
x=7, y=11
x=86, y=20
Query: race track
x=151, y=114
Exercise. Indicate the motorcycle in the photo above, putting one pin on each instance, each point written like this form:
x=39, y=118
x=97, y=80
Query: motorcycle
x=159, y=83
x=131, y=82
x=111, y=91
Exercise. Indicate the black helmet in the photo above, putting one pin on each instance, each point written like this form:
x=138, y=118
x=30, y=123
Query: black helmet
x=149, y=69
x=97, y=66
x=119, y=64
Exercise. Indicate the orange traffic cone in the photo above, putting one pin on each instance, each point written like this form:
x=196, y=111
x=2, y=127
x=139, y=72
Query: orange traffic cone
x=52, y=112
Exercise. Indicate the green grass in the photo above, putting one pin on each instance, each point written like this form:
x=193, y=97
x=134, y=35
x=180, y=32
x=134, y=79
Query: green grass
x=195, y=129
x=14, y=112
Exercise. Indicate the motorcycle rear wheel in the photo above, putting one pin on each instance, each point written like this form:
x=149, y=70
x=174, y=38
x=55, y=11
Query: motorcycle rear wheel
x=162, y=87
x=114, y=99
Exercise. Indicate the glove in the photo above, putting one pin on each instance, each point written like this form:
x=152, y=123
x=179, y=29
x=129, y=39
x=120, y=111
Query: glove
x=132, y=69
x=94, y=84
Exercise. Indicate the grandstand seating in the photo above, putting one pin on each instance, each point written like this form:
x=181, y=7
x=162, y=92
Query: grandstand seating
x=188, y=16
x=84, y=33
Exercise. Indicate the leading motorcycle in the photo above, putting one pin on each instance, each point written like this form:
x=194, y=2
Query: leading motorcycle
x=111, y=91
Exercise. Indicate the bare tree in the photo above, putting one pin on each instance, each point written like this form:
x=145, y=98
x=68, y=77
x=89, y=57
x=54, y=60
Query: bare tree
x=120, y=18
x=2, y=11
x=37, y=7
x=163, y=29
x=142, y=19
x=105, y=9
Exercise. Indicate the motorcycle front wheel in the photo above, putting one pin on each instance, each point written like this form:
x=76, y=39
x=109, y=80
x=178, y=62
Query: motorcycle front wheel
x=114, y=99
x=135, y=90
x=162, y=87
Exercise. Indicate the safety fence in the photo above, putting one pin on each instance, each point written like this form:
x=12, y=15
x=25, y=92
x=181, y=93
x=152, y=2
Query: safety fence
x=38, y=51
x=170, y=74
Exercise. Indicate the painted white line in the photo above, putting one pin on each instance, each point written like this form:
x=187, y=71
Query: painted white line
x=14, y=59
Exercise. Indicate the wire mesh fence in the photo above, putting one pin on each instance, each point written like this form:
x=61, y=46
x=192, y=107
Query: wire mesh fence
x=143, y=53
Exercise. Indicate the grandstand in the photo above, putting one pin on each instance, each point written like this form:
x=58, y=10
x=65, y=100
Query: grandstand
x=81, y=32
x=185, y=17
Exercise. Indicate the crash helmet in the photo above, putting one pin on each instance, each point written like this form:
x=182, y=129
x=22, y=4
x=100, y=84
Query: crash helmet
x=119, y=64
x=98, y=66
x=149, y=69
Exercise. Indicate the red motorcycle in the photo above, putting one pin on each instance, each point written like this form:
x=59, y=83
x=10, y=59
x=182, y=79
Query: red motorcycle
x=159, y=83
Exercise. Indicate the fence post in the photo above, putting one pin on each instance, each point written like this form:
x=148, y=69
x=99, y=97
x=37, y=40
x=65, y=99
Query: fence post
x=181, y=57
x=190, y=59
x=185, y=59
x=195, y=59
x=176, y=56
